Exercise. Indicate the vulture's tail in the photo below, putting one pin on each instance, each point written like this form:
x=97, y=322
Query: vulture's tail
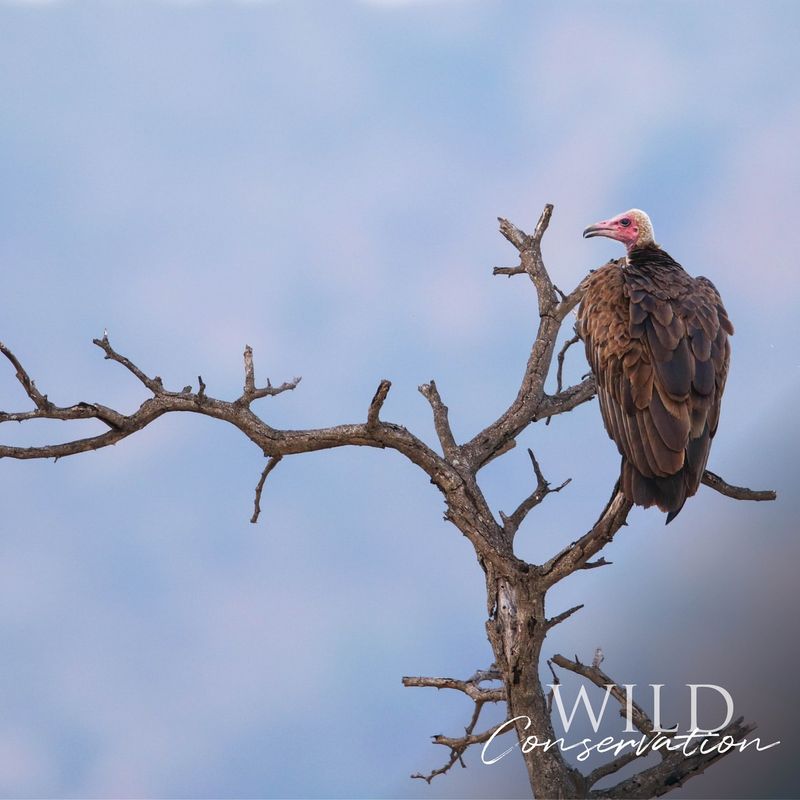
x=669, y=493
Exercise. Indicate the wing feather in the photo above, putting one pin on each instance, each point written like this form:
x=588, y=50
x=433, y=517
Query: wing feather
x=657, y=341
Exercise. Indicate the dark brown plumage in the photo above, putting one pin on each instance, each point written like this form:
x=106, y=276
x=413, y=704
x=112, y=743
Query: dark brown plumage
x=657, y=341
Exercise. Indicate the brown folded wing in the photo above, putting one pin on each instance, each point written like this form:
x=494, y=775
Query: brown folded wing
x=657, y=341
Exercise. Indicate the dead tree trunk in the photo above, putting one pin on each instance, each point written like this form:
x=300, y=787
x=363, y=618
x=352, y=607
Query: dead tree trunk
x=517, y=622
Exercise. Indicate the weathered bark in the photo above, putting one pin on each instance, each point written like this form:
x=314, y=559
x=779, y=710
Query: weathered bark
x=516, y=590
x=516, y=630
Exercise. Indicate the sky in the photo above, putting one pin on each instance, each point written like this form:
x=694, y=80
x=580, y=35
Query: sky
x=321, y=181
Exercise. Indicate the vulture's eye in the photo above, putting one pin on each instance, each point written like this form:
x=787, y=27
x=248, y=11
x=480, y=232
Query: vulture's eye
x=625, y=222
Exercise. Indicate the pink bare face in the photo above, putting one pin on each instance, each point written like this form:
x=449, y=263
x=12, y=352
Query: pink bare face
x=632, y=228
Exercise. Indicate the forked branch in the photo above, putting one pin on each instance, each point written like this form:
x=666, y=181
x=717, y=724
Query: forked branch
x=250, y=391
x=471, y=688
x=675, y=767
x=512, y=522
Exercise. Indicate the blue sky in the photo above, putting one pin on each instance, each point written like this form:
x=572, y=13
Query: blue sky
x=321, y=181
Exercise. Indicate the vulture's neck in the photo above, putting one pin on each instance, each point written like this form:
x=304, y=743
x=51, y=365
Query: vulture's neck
x=649, y=257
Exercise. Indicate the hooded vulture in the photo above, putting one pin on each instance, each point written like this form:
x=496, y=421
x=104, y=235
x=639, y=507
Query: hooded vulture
x=657, y=342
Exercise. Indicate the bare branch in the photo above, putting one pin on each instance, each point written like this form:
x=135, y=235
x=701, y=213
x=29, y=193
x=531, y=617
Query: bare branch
x=577, y=555
x=250, y=392
x=483, y=447
x=556, y=682
x=458, y=746
x=569, y=301
x=441, y=421
x=271, y=441
x=506, y=447
x=601, y=562
x=461, y=743
x=531, y=402
x=509, y=271
x=568, y=399
x=559, y=618
x=470, y=687
x=736, y=492
x=604, y=770
x=481, y=675
x=537, y=470
x=271, y=464
x=560, y=371
x=675, y=767
x=249, y=372
x=530, y=251
x=511, y=523
x=561, y=354
x=376, y=405
x=155, y=385
x=639, y=718
x=39, y=400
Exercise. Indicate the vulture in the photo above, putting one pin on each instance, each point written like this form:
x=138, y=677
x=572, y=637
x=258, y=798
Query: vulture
x=657, y=341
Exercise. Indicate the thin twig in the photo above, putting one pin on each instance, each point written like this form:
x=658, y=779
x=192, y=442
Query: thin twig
x=560, y=371
x=458, y=746
x=561, y=354
x=39, y=400
x=567, y=399
x=556, y=682
x=512, y=522
x=155, y=385
x=559, y=618
x=271, y=464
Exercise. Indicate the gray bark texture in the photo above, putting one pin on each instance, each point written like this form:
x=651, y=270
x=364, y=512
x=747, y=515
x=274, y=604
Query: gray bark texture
x=517, y=622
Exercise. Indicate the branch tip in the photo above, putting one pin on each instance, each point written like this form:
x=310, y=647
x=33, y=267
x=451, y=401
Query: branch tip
x=271, y=464
x=714, y=481
x=559, y=618
x=441, y=421
x=375, y=406
x=155, y=385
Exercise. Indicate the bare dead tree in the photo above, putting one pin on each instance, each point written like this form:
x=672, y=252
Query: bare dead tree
x=515, y=590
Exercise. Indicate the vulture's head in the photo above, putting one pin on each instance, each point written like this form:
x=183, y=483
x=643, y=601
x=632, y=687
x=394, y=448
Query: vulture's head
x=633, y=228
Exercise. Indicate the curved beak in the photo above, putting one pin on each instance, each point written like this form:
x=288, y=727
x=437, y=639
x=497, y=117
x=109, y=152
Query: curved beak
x=603, y=228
